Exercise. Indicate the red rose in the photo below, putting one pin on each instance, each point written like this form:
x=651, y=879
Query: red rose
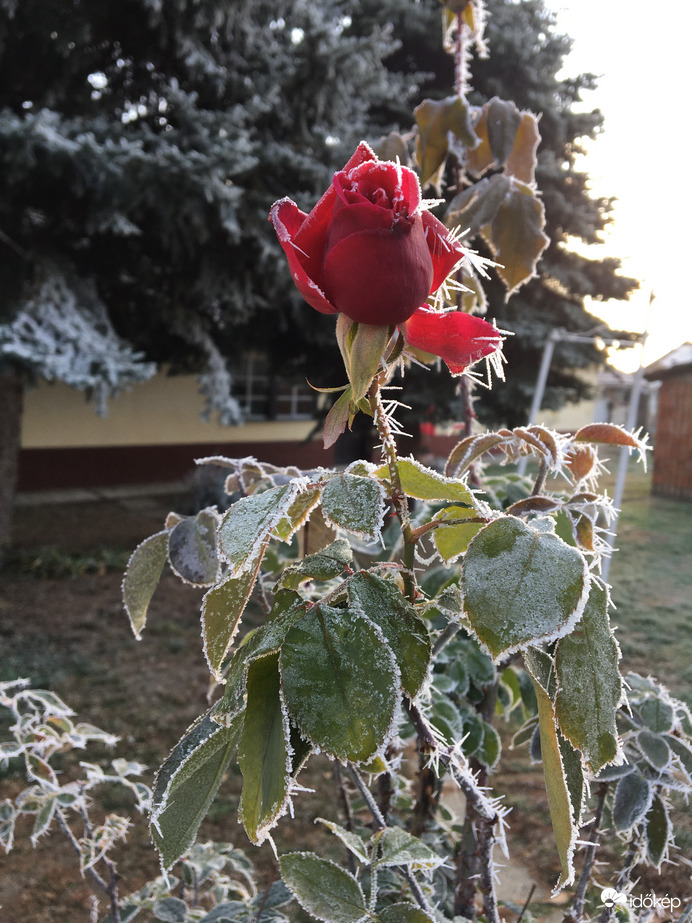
x=370, y=251
x=367, y=249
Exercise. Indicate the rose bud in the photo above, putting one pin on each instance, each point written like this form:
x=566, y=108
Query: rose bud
x=367, y=249
x=370, y=251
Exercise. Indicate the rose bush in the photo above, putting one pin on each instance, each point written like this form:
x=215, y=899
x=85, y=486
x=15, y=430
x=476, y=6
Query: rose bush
x=370, y=251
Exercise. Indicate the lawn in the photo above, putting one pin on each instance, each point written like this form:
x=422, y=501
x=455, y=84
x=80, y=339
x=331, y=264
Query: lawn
x=651, y=577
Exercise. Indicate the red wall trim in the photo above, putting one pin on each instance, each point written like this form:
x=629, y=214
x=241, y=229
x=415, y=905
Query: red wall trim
x=111, y=466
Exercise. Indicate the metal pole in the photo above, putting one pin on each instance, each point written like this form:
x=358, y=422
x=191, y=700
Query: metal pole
x=631, y=423
x=539, y=391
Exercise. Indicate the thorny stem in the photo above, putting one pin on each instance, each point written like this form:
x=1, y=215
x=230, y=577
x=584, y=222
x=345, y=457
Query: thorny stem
x=577, y=910
x=349, y=822
x=542, y=475
x=445, y=637
x=397, y=495
x=421, y=899
x=481, y=820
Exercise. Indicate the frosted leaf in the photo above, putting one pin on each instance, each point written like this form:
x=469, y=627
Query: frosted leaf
x=633, y=797
x=382, y=602
x=589, y=687
x=264, y=753
x=186, y=784
x=328, y=892
x=356, y=504
x=222, y=608
x=521, y=586
x=350, y=840
x=192, y=548
x=659, y=832
x=399, y=848
x=340, y=682
x=141, y=578
x=654, y=749
x=426, y=484
x=247, y=526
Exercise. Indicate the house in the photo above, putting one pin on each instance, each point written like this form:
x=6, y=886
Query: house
x=672, y=475
x=154, y=432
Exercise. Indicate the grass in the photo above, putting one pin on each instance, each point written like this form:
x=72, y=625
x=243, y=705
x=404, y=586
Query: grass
x=651, y=578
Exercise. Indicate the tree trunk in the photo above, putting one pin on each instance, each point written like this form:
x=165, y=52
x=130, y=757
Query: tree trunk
x=11, y=407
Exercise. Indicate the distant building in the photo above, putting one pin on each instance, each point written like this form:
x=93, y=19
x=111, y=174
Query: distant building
x=672, y=475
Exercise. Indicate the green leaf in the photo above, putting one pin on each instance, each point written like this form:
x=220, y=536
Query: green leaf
x=322, y=565
x=355, y=503
x=658, y=832
x=453, y=539
x=516, y=235
x=657, y=714
x=382, y=602
x=248, y=524
x=654, y=749
x=142, y=577
x=521, y=586
x=298, y=513
x=192, y=550
x=263, y=752
x=222, y=608
x=423, y=483
x=399, y=848
x=562, y=811
x=491, y=747
x=170, y=909
x=340, y=682
x=403, y=913
x=287, y=608
x=435, y=119
x=589, y=683
x=322, y=888
x=351, y=840
x=633, y=797
x=186, y=785
x=337, y=418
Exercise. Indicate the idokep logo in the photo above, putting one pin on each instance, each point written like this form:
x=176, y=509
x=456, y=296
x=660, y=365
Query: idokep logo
x=611, y=897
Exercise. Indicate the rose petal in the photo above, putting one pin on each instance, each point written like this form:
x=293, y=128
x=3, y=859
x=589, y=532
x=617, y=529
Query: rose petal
x=288, y=220
x=351, y=219
x=379, y=277
x=458, y=338
x=445, y=253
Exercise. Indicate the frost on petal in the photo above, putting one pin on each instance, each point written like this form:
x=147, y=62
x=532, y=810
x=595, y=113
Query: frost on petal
x=288, y=221
x=459, y=339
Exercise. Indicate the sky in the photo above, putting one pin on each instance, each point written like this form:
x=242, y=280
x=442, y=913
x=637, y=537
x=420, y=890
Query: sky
x=640, y=52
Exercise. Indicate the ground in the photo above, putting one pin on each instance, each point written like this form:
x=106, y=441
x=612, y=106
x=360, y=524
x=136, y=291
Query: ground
x=62, y=625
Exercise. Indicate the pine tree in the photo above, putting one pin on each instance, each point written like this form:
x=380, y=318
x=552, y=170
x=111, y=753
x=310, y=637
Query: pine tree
x=141, y=146
x=526, y=53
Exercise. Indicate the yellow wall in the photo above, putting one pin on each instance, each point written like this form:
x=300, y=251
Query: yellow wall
x=162, y=411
